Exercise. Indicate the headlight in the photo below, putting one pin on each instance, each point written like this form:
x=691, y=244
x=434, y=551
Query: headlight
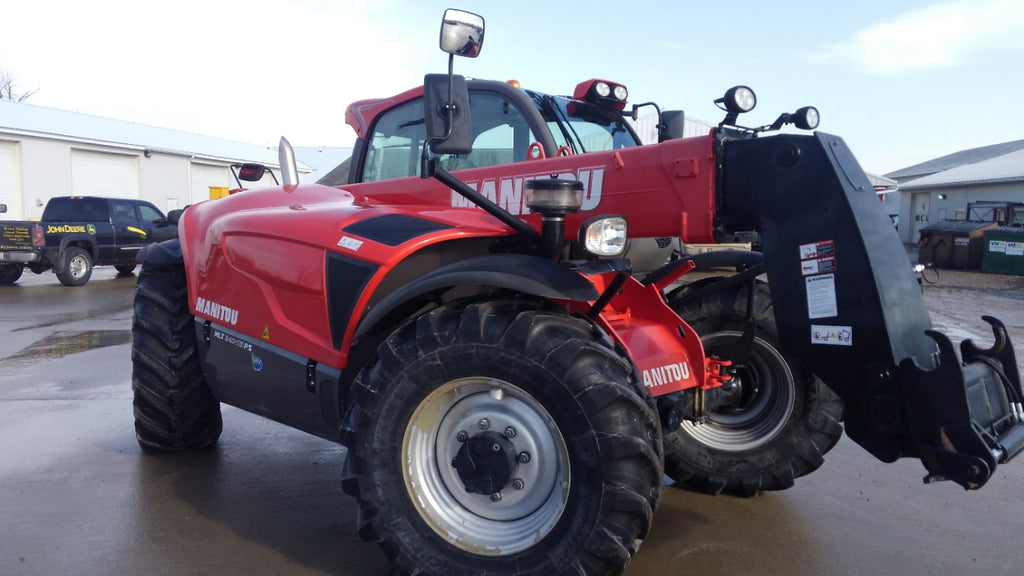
x=602, y=93
x=604, y=236
x=806, y=118
x=738, y=99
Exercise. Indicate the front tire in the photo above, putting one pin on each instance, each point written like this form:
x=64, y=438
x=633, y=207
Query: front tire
x=497, y=439
x=780, y=419
x=10, y=273
x=174, y=408
x=77, y=268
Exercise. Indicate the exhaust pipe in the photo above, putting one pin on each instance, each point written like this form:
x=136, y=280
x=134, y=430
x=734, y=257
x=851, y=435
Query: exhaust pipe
x=286, y=159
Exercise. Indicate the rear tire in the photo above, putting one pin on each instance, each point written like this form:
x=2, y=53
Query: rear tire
x=455, y=399
x=784, y=422
x=77, y=268
x=124, y=269
x=10, y=273
x=174, y=408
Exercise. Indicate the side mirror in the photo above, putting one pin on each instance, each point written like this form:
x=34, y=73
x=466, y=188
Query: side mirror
x=673, y=125
x=446, y=114
x=462, y=33
x=175, y=215
x=445, y=97
x=251, y=172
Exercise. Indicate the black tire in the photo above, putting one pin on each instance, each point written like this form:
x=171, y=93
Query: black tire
x=174, y=408
x=10, y=273
x=77, y=267
x=589, y=484
x=778, y=425
x=124, y=269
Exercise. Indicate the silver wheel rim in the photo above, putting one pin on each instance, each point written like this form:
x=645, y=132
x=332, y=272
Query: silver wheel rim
x=77, y=266
x=766, y=413
x=522, y=513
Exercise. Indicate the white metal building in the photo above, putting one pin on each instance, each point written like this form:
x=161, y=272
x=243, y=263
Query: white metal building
x=45, y=152
x=953, y=186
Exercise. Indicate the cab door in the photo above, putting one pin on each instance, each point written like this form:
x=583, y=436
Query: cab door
x=130, y=234
x=502, y=134
x=155, y=223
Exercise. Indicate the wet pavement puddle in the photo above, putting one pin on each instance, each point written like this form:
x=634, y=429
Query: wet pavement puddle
x=60, y=344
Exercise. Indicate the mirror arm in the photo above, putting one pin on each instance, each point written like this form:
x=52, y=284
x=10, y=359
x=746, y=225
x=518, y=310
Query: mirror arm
x=480, y=200
x=660, y=126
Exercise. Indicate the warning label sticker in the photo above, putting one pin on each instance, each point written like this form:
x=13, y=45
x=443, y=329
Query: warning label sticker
x=818, y=266
x=816, y=250
x=832, y=335
x=821, y=296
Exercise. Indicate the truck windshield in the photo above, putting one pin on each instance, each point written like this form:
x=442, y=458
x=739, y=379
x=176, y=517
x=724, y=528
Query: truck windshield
x=582, y=127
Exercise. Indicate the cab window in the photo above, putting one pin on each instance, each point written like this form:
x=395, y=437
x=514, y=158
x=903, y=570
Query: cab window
x=500, y=136
x=122, y=212
x=149, y=213
x=582, y=127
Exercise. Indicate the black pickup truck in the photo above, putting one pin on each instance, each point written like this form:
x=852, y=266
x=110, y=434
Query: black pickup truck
x=76, y=233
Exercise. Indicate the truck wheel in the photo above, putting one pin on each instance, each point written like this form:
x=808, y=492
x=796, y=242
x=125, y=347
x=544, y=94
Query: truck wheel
x=124, y=269
x=10, y=273
x=174, y=408
x=77, y=267
x=497, y=439
x=778, y=419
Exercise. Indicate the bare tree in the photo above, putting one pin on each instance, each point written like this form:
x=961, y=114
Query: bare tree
x=7, y=92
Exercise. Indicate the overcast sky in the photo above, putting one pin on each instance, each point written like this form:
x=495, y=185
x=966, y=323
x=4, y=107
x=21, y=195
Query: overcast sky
x=903, y=81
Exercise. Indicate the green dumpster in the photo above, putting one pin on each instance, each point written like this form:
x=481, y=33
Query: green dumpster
x=1004, y=250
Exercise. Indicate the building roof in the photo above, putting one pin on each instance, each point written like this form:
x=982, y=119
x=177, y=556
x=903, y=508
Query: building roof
x=1005, y=168
x=29, y=119
x=882, y=184
x=337, y=176
x=322, y=159
x=956, y=159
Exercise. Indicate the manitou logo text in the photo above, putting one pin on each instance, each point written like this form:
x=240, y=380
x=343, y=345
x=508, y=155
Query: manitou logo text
x=216, y=311
x=509, y=192
x=669, y=374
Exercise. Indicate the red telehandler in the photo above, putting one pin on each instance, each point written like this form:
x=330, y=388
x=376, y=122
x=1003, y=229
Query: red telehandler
x=460, y=316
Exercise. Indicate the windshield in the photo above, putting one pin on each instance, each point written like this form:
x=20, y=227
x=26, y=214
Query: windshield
x=581, y=127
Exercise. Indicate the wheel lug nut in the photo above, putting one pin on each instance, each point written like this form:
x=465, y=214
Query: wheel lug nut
x=496, y=497
x=510, y=432
x=462, y=436
x=484, y=423
x=518, y=484
x=524, y=457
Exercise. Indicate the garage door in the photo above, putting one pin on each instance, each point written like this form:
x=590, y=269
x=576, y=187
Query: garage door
x=100, y=174
x=204, y=176
x=10, y=183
